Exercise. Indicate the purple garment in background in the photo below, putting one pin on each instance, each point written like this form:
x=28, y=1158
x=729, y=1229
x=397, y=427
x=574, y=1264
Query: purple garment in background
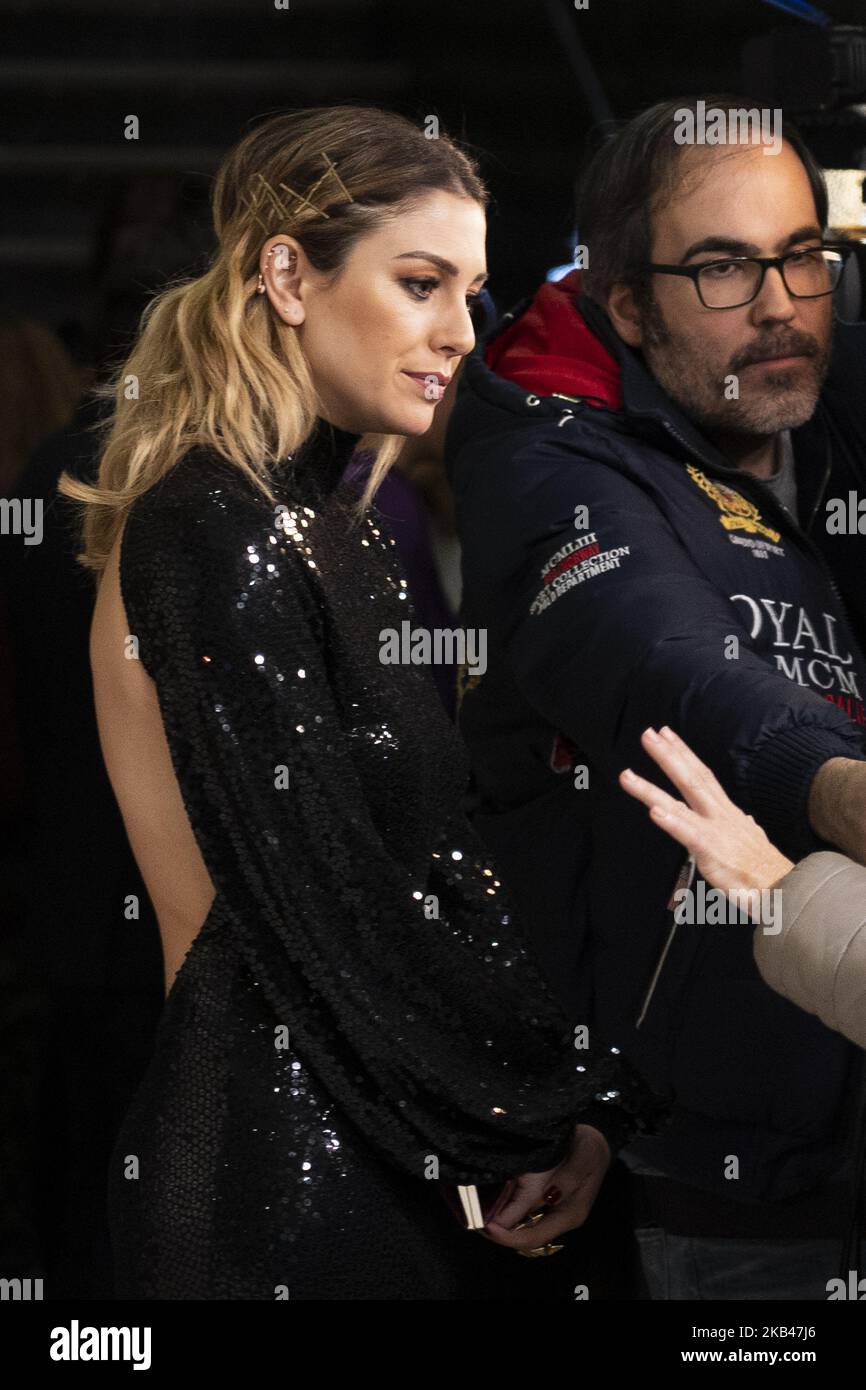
x=403, y=510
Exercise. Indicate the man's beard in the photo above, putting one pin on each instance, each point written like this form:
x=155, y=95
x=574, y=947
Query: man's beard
x=787, y=399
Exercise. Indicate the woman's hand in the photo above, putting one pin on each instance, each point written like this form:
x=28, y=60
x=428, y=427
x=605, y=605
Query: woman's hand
x=568, y=1191
x=730, y=850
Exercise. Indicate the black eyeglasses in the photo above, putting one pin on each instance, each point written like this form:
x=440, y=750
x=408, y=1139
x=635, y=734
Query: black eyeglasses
x=737, y=280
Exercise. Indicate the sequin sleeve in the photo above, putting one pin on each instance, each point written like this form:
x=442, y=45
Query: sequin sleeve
x=400, y=976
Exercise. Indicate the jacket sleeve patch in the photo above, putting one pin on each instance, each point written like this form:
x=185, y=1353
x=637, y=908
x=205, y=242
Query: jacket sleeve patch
x=573, y=564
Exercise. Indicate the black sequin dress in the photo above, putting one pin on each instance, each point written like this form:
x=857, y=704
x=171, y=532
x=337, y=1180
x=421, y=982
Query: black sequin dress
x=358, y=1010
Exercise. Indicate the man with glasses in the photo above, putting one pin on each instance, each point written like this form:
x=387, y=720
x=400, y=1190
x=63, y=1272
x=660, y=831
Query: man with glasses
x=643, y=457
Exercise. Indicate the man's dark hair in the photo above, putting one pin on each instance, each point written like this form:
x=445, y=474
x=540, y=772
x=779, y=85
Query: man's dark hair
x=636, y=165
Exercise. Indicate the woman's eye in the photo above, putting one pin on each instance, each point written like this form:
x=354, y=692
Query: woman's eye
x=421, y=288
x=417, y=286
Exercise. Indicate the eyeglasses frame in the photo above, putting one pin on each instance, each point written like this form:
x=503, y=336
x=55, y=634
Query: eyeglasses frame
x=692, y=272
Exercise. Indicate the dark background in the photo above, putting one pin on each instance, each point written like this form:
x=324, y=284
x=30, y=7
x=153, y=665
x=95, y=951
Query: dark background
x=496, y=72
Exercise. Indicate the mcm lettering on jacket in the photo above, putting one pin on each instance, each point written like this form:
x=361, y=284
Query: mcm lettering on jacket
x=806, y=650
x=573, y=564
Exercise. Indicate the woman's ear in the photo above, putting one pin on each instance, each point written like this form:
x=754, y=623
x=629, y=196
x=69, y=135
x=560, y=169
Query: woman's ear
x=281, y=270
x=624, y=314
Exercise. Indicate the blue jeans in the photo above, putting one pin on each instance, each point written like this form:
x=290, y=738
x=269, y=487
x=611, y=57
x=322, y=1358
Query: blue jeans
x=705, y=1267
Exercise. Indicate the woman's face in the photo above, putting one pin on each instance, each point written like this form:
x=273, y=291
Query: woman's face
x=397, y=313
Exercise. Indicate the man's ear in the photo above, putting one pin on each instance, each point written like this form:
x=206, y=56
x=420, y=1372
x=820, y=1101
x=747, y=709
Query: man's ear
x=623, y=313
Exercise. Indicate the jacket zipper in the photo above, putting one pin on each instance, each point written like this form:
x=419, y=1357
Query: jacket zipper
x=690, y=878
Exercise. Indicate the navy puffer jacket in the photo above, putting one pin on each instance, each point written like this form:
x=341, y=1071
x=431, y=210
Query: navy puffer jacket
x=627, y=576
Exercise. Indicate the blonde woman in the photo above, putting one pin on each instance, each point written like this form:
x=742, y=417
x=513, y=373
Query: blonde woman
x=352, y=1021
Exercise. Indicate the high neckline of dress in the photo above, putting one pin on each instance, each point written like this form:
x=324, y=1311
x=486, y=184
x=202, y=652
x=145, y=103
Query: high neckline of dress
x=322, y=459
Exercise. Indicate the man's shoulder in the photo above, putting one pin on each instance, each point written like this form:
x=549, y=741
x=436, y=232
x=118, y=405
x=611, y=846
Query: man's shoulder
x=563, y=439
x=849, y=347
x=845, y=386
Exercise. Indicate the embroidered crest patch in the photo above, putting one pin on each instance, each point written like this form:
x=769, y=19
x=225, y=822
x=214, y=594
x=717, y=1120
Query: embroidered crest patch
x=738, y=513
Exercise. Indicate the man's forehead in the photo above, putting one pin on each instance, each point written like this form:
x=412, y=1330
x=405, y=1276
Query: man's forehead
x=732, y=193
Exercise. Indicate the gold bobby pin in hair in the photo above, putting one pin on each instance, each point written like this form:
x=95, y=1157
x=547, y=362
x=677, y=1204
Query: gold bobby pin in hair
x=302, y=199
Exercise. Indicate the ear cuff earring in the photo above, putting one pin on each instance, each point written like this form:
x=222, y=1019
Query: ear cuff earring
x=260, y=287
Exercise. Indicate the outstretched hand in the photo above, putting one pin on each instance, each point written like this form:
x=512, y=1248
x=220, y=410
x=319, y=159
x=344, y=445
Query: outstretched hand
x=729, y=848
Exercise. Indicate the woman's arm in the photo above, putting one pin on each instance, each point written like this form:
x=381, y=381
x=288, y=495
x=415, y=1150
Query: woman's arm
x=818, y=959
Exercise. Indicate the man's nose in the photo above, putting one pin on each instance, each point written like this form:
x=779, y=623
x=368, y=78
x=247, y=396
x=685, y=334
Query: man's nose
x=774, y=300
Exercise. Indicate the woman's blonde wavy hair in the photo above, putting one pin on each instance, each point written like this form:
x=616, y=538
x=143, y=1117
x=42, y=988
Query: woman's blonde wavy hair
x=213, y=364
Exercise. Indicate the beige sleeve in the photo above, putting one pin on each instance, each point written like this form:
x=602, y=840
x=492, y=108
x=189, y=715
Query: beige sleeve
x=818, y=958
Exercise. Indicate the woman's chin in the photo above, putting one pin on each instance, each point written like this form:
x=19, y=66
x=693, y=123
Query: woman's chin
x=393, y=417
x=418, y=420
x=413, y=420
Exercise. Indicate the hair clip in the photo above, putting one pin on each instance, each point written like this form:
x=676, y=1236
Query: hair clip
x=264, y=190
